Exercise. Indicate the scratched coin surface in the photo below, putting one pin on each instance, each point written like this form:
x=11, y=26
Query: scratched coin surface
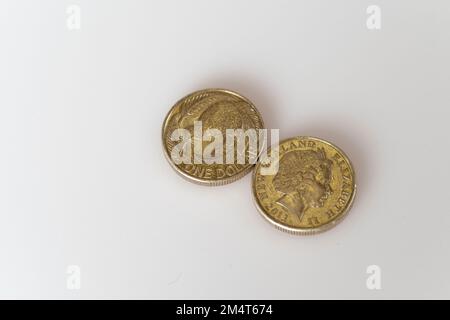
x=215, y=109
x=311, y=191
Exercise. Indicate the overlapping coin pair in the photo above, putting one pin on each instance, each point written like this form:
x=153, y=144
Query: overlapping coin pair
x=301, y=185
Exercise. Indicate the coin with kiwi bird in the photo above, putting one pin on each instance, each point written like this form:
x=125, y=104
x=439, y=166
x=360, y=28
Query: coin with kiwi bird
x=216, y=109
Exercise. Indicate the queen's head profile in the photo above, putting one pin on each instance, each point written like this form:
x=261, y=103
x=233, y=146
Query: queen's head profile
x=303, y=180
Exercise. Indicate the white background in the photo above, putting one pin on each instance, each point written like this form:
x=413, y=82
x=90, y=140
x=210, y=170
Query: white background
x=83, y=180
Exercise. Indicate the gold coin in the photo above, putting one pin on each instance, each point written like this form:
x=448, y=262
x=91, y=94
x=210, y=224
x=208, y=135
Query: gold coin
x=311, y=191
x=215, y=109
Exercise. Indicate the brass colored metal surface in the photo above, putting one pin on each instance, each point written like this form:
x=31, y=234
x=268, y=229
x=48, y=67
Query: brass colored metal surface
x=312, y=190
x=216, y=109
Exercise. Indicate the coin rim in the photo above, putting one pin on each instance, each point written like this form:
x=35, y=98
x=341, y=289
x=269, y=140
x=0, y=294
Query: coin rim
x=196, y=180
x=299, y=230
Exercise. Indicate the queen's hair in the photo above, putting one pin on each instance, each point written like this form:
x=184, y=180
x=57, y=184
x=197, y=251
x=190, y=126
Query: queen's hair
x=296, y=166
